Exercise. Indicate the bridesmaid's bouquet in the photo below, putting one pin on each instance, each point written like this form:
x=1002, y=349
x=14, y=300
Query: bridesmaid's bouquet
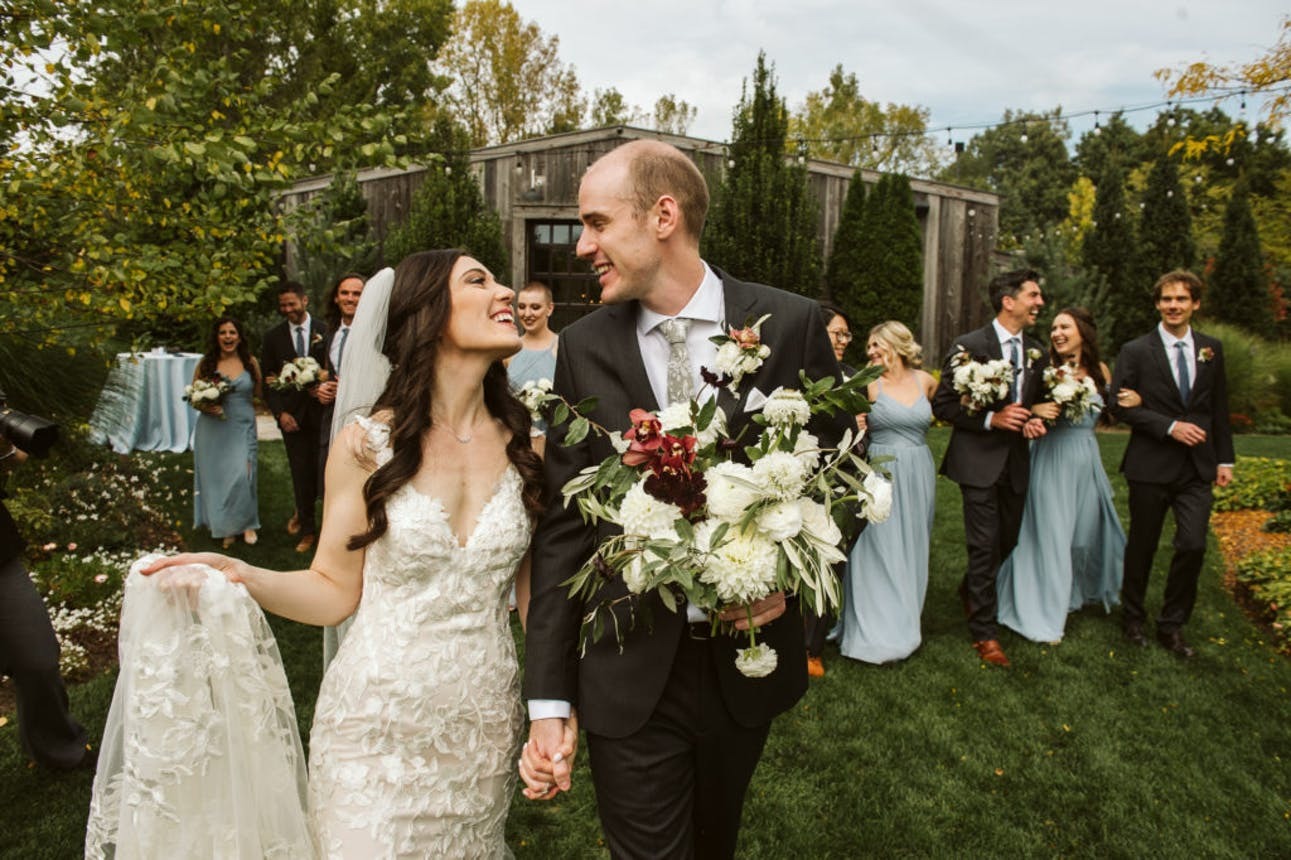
x=698, y=525
x=533, y=394
x=204, y=393
x=980, y=382
x=299, y=374
x=1073, y=393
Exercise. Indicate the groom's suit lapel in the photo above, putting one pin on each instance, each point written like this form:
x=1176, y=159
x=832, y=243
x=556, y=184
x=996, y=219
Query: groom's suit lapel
x=1156, y=349
x=620, y=333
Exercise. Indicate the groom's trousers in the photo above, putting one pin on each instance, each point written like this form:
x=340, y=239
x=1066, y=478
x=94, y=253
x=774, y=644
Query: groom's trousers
x=675, y=787
x=1191, y=498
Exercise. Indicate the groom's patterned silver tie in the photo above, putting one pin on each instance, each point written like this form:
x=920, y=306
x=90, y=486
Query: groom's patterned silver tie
x=681, y=381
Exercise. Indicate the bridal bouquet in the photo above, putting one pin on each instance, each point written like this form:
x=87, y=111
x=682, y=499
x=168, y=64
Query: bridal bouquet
x=202, y=393
x=980, y=382
x=1073, y=394
x=298, y=374
x=700, y=526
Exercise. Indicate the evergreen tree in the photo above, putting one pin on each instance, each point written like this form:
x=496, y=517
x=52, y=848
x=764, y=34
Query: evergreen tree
x=448, y=211
x=1239, y=285
x=1109, y=251
x=843, y=272
x=889, y=275
x=762, y=226
x=1165, y=231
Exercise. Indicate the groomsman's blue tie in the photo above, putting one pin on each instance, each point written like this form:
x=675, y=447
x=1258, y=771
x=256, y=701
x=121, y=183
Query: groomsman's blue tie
x=340, y=352
x=1015, y=356
x=300, y=340
x=1181, y=365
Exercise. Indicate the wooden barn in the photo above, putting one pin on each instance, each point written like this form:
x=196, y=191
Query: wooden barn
x=533, y=185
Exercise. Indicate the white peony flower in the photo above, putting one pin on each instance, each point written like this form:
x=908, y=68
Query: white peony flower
x=878, y=507
x=807, y=449
x=677, y=415
x=780, y=475
x=642, y=515
x=780, y=521
x=634, y=576
x=756, y=661
x=731, y=489
x=786, y=407
x=817, y=523
x=742, y=568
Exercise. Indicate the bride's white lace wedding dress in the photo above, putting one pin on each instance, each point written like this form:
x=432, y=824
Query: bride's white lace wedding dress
x=418, y=721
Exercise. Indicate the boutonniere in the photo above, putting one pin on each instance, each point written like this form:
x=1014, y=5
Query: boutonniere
x=739, y=353
x=316, y=339
x=1033, y=355
x=1205, y=354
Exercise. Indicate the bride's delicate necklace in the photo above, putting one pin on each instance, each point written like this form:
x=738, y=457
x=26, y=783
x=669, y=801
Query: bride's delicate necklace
x=461, y=440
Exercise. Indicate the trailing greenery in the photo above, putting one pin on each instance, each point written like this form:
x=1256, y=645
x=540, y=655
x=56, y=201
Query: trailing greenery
x=448, y=210
x=762, y=222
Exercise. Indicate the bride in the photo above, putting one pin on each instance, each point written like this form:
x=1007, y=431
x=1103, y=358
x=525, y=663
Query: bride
x=429, y=511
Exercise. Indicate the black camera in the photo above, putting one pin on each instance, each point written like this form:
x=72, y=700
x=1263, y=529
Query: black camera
x=32, y=434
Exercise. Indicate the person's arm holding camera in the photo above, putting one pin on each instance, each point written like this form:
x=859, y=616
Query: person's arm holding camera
x=10, y=454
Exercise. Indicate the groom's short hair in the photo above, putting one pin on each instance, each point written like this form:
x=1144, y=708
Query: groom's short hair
x=657, y=169
x=1008, y=284
x=1179, y=276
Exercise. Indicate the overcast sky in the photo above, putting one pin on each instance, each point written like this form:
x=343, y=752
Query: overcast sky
x=966, y=61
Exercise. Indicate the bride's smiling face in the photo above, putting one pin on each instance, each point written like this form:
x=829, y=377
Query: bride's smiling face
x=481, y=319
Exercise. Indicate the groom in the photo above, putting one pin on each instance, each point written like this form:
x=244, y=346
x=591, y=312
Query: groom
x=1180, y=444
x=674, y=731
x=987, y=455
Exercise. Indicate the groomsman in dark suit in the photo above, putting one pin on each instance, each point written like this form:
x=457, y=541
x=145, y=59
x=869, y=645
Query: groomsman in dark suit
x=342, y=301
x=988, y=452
x=674, y=731
x=1180, y=445
x=297, y=412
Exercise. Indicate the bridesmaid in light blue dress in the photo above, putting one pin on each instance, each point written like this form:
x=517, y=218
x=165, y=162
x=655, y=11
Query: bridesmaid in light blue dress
x=887, y=574
x=224, y=442
x=1071, y=545
x=537, y=358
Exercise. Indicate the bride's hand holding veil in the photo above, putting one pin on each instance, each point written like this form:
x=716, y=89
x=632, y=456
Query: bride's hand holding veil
x=326, y=592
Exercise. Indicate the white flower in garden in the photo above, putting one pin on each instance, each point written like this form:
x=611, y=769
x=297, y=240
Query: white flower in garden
x=731, y=489
x=742, y=567
x=780, y=521
x=642, y=515
x=878, y=507
x=756, y=661
x=780, y=475
x=786, y=407
x=817, y=523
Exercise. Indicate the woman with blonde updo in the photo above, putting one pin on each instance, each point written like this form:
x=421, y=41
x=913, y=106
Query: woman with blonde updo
x=888, y=568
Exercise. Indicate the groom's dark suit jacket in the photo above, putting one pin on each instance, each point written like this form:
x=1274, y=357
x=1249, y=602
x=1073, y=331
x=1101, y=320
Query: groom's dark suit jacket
x=278, y=349
x=1152, y=456
x=615, y=693
x=976, y=457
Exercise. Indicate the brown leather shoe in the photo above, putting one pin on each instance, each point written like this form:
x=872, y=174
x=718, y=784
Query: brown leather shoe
x=293, y=525
x=306, y=543
x=815, y=667
x=991, y=652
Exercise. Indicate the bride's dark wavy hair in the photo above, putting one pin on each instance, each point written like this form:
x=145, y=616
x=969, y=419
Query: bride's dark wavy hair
x=420, y=306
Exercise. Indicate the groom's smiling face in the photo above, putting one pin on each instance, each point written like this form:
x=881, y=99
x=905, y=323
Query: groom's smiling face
x=616, y=239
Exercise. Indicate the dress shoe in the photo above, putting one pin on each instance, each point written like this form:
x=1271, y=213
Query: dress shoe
x=306, y=543
x=991, y=652
x=1134, y=634
x=815, y=667
x=1173, y=642
x=229, y=541
x=293, y=525
x=250, y=537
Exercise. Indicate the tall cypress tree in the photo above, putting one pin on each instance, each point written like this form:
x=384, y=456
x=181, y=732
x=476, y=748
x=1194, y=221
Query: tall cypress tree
x=1165, y=232
x=843, y=273
x=763, y=221
x=1239, y=285
x=448, y=210
x=889, y=276
x=1109, y=251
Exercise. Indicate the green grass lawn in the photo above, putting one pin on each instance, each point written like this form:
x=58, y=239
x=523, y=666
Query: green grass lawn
x=1088, y=748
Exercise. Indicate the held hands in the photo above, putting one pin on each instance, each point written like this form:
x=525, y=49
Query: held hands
x=1012, y=417
x=325, y=392
x=547, y=759
x=1048, y=410
x=1034, y=428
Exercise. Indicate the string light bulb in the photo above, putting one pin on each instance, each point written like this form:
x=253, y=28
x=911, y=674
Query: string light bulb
x=1098, y=128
